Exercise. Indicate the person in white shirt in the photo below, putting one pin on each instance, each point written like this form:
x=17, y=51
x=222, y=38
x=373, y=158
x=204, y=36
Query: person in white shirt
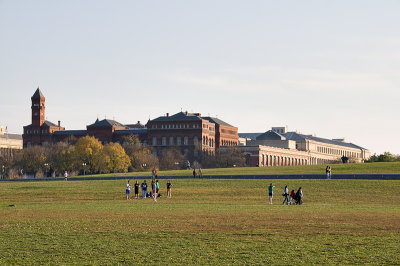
x=285, y=194
x=128, y=190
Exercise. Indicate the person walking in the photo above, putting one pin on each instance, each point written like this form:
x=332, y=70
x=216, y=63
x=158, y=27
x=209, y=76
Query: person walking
x=194, y=172
x=128, y=190
x=291, y=196
x=271, y=192
x=286, y=195
x=144, y=189
x=200, y=173
x=299, y=196
x=136, y=189
x=169, y=185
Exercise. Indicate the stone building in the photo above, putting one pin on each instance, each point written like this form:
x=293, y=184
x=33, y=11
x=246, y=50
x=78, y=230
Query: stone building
x=278, y=147
x=10, y=141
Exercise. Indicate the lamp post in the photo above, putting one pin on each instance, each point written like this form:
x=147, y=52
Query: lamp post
x=84, y=168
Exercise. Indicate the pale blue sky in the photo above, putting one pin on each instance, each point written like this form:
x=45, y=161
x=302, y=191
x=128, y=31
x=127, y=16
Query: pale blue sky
x=329, y=68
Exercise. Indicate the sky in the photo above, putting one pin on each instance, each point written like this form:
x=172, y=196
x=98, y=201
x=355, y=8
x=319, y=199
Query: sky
x=329, y=68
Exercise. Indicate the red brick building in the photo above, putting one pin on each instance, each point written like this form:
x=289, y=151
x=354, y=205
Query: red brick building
x=40, y=130
x=187, y=131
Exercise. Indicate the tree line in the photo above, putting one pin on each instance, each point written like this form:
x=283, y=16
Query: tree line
x=384, y=157
x=87, y=155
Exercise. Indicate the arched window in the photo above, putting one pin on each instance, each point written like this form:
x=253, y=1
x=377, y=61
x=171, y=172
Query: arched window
x=186, y=140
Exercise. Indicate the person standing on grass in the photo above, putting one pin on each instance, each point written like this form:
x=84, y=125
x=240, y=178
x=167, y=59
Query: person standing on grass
x=154, y=190
x=286, y=195
x=169, y=185
x=128, y=190
x=157, y=187
x=328, y=172
x=137, y=189
x=65, y=175
x=200, y=173
x=144, y=189
x=291, y=196
x=271, y=192
x=194, y=172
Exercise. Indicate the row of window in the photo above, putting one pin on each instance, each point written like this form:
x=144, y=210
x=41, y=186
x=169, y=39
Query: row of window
x=228, y=143
x=43, y=131
x=172, y=141
x=181, y=126
x=337, y=152
x=272, y=160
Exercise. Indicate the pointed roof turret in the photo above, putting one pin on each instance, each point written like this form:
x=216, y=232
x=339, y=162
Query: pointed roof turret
x=38, y=94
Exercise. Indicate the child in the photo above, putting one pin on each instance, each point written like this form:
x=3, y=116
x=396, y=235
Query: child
x=169, y=185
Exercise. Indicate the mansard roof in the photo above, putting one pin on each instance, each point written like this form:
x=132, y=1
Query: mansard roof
x=38, y=94
x=298, y=137
x=106, y=123
x=137, y=125
x=181, y=116
x=11, y=136
x=217, y=121
x=270, y=135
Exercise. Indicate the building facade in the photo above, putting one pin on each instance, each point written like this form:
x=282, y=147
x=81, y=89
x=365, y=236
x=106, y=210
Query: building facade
x=188, y=132
x=278, y=147
x=40, y=130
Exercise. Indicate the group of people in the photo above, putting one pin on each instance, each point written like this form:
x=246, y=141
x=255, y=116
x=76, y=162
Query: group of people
x=154, y=191
x=328, y=172
x=293, y=197
x=199, y=173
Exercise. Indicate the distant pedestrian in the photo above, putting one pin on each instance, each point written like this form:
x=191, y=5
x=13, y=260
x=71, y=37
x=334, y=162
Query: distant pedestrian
x=128, y=190
x=153, y=173
x=299, y=196
x=144, y=189
x=200, y=173
x=271, y=192
x=328, y=172
x=137, y=189
x=194, y=172
x=157, y=187
x=65, y=175
x=292, y=194
x=286, y=195
x=154, y=190
x=169, y=185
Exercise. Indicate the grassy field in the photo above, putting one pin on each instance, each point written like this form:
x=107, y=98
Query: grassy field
x=360, y=168
x=206, y=222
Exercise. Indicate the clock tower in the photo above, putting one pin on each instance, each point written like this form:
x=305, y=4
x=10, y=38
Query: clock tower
x=38, y=108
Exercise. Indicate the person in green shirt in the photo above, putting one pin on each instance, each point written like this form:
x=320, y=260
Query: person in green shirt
x=270, y=192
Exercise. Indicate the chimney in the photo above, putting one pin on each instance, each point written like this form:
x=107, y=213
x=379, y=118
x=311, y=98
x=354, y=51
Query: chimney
x=59, y=123
x=197, y=114
x=167, y=114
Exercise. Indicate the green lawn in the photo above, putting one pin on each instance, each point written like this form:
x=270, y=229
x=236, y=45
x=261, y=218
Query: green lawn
x=206, y=222
x=361, y=168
